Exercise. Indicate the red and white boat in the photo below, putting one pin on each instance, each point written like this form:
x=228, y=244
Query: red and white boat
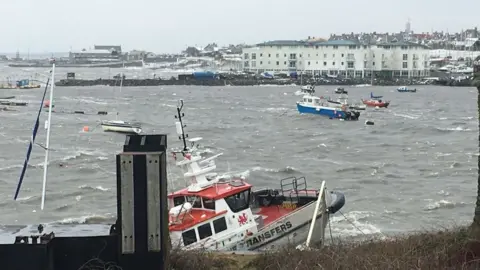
x=376, y=103
x=217, y=214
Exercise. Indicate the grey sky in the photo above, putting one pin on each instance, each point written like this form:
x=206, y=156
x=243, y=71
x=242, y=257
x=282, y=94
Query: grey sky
x=168, y=26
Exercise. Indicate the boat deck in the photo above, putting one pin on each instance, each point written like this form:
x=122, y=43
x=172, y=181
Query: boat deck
x=272, y=213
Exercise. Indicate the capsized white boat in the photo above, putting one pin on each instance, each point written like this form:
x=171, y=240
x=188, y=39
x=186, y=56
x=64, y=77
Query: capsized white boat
x=218, y=214
x=121, y=126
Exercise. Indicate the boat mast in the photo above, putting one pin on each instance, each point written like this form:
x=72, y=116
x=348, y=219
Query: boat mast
x=120, y=91
x=45, y=166
x=180, y=125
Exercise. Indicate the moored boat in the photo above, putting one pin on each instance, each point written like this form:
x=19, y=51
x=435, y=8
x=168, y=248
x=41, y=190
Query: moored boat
x=403, y=89
x=121, y=126
x=304, y=89
x=340, y=90
x=218, y=214
x=26, y=84
x=314, y=105
x=375, y=97
x=343, y=100
x=376, y=103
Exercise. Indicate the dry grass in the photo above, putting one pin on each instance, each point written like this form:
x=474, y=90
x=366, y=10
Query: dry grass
x=452, y=249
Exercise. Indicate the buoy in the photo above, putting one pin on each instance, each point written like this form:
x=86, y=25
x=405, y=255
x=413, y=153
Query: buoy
x=86, y=128
x=46, y=104
x=369, y=123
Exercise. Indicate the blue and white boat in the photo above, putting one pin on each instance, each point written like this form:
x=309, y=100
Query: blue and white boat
x=406, y=89
x=315, y=105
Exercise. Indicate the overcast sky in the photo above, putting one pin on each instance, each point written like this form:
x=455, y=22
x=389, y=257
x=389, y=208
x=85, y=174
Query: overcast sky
x=168, y=26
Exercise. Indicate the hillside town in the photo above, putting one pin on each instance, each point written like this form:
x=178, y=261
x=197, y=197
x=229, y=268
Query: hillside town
x=405, y=54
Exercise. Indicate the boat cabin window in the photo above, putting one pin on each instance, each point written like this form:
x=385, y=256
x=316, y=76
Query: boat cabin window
x=195, y=201
x=204, y=231
x=309, y=100
x=189, y=237
x=239, y=201
x=220, y=225
x=208, y=204
x=191, y=199
x=178, y=200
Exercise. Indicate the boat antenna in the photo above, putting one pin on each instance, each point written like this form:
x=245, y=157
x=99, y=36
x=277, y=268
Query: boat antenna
x=180, y=125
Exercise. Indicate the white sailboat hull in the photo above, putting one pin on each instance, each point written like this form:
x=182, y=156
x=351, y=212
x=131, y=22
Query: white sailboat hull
x=121, y=127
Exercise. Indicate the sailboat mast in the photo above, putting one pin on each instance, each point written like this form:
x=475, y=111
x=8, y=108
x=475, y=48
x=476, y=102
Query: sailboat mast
x=121, y=84
x=47, y=144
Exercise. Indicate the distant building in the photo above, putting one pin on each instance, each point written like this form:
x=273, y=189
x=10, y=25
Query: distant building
x=136, y=55
x=100, y=53
x=348, y=58
x=116, y=48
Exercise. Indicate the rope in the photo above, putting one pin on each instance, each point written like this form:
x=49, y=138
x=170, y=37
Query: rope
x=330, y=229
x=355, y=226
x=98, y=264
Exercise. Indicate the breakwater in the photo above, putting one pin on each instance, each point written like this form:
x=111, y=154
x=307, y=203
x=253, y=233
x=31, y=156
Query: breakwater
x=233, y=82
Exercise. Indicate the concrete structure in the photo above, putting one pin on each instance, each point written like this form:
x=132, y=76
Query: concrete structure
x=339, y=57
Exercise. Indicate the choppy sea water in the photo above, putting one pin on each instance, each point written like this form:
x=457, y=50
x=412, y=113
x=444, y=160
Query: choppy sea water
x=415, y=169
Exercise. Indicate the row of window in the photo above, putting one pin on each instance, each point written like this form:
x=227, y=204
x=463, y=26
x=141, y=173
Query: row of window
x=349, y=64
x=189, y=237
x=349, y=56
x=236, y=202
x=351, y=47
x=352, y=73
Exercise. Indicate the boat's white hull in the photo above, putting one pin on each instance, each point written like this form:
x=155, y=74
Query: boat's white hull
x=121, y=129
x=292, y=229
x=296, y=224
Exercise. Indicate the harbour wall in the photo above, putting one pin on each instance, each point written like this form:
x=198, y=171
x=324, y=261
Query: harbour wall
x=248, y=82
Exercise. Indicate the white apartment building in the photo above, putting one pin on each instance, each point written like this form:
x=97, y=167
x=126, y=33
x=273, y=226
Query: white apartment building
x=338, y=57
